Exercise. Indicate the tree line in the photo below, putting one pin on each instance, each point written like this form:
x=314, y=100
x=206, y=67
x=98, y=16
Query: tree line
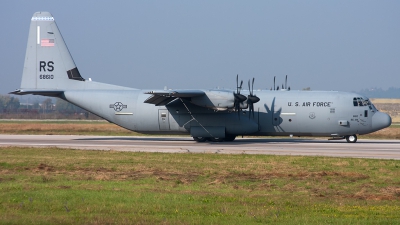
x=52, y=107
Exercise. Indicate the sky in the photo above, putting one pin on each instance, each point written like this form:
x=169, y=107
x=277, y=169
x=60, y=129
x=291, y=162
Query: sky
x=325, y=45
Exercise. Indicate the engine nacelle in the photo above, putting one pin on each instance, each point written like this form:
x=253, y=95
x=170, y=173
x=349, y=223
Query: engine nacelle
x=218, y=100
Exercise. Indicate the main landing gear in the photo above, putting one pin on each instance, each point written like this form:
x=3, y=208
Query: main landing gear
x=213, y=139
x=351, y=138
x=200, y=139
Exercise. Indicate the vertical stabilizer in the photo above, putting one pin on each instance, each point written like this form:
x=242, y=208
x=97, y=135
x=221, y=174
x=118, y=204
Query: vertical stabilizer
x=48, y=63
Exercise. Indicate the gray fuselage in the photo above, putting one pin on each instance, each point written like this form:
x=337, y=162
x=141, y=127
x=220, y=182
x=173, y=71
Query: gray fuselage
x=279, y=113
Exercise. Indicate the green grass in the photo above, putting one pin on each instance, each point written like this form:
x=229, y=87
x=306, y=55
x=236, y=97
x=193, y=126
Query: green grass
x=395, y=126
x=48, y=186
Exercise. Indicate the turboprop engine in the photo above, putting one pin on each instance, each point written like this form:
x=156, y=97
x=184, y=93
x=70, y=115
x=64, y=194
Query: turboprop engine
x=220, y=100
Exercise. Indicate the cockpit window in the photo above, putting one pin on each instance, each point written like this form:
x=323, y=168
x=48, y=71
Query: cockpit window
x=359, y=101
x=371, y=106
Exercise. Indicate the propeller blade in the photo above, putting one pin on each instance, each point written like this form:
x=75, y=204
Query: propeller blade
x=286, y=82
x=274, y=83
x=252, y=87
x=251, y=110
x=249, y=88
x=237, y=83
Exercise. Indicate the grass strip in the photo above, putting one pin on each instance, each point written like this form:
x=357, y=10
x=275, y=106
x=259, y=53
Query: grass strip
x=51, y=185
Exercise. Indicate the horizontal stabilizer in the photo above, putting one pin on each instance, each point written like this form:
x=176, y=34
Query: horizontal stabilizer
x=50, y=93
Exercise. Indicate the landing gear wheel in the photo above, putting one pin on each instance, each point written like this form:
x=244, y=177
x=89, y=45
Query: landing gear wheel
x=351, y=138
x=200, y=139
x=230, y=137
x=214, y=139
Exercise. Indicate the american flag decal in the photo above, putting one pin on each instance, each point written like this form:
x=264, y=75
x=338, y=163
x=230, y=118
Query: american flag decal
x=47, y=42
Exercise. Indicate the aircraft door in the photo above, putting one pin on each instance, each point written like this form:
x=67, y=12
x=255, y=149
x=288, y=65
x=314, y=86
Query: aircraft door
x=163, y=119
x=364, y=118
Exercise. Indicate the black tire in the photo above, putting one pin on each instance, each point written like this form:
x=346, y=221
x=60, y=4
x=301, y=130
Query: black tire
x=214, y=139
x=351, y=138
x=200, y=139
x=230, y=137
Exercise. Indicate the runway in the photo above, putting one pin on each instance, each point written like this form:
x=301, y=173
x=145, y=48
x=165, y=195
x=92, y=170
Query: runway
x=382, y=149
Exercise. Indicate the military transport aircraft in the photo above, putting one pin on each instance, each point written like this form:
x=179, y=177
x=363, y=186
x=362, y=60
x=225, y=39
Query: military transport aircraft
x=214, y=115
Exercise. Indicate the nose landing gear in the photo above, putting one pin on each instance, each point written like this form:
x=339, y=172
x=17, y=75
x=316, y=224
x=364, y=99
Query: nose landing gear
x=351, y=138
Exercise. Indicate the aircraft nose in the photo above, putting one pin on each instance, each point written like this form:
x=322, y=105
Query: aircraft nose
x=381, y=120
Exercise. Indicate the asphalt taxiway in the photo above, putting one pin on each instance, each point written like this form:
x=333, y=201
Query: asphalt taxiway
x=383, y=149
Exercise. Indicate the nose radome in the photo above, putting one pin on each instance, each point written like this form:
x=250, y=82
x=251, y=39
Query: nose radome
x=381, y=120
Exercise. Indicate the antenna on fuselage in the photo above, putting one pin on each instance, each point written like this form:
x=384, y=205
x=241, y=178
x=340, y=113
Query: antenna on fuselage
x=274, y=83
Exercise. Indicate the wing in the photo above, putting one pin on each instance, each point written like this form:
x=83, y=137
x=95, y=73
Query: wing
x=164, y=97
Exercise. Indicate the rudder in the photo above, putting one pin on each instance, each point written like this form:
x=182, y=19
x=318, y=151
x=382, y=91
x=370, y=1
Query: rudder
x=48, y=63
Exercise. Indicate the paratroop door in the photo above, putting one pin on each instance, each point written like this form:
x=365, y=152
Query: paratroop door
x=163, y=119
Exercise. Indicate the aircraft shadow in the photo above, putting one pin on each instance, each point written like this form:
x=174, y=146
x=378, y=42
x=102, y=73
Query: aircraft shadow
x=238, y=141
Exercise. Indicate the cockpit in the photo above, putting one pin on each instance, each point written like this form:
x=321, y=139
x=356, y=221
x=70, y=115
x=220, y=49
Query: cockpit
x=359, y=101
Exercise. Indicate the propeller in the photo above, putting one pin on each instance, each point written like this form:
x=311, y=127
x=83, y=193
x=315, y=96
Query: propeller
x=286, y=82
x=238, y=98
x=284, y=87
x=274, y=83
x=251, y=99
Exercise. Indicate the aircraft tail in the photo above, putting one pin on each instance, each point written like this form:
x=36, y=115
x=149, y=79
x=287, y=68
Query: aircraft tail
x=49, y=67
